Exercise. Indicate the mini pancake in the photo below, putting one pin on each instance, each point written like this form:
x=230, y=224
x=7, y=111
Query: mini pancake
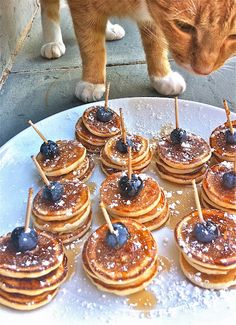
x=172, y=170
x=209, y=204
x=182, y=179
x=204, y=269
x=222, y=149
x=159, y=221
x=101, y=129
x=208, y=281
x=72, y=154
x=135, y=166
x=218, y=254
x=75, y=199
x=153, y=214
x=214, y=188
x=87, y=136
x=76, y=234
x=82, y=173
x=124, y=290
x=46, y=257
x=140, y=150
x=125, y=264
x=144, y=202
x=192, y=153
x=63, y=225
x=24, y=302
x=90, y=148
x=37, y=286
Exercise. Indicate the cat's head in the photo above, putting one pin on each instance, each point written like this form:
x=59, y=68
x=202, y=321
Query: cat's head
x=201, y=33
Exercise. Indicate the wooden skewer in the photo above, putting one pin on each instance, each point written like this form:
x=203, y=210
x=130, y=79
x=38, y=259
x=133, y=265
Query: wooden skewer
x=107, y=218
x=129, y=163
x=176, y=113
x=37, y=130
x=122, y=125
x=107, y=95
x=46, y=181
x=29, y=208
x=197, y=202
x=227, y=111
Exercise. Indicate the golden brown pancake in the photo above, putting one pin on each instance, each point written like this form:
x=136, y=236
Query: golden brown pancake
x=68, y=225
x=222, y=149
x=36, y=286
x=83, y=133
x=101, y=129
x=207, y=203
x=208, y=281
x=82, y=173
x=218, y=254
x=172, y=170
x=215, y=190
x=140, y=150
x=192, y=153
x=71, y=154
x=159, y=220
x=46, y=257
x=182, y=178
x=90, y=148
x=69, y=237
x=24, y=302
x=144, y=202
x=125, y=264
x=75, y=199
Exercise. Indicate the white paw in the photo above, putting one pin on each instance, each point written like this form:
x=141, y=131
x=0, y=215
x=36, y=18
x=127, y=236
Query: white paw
x=88, y=92
x=114, y=32
x=53, y=50
x=172, y=84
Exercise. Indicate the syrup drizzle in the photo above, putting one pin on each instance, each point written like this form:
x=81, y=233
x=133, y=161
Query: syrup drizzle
x=143, y=300
x=164, y=263
x=92, y=187
x=72, y=254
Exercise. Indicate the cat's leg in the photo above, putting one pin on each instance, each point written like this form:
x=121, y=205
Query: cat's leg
x=90, y=32
x=53, y=46
x=114, y=31
x=163, y=79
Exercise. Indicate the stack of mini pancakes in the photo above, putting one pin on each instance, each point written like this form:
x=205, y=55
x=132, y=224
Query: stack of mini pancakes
x=149, y=207
x=93, y=134
x=209, y=265
x=214, y=193
x=222, y=150
x=70, y=217
x=123, y=270
x=113, y=161
x=31, y=279
x=181, y=163
x=71, y=163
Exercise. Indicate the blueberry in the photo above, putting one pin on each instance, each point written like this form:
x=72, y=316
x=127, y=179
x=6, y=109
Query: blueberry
x=178, y=136
x=104, y=115
x=123, y=147
x=119, y=238
x=230, y=138
x=53, y=192
x=24, y=240
x=206, y=232
x=229, y=180
x=49, y=150
x=130, y=188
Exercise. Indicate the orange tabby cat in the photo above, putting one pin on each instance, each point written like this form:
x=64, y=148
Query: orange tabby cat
x=200, y=34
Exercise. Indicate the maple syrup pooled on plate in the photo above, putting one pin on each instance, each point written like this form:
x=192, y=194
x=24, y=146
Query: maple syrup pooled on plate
x=164, y=263
x=92, y=187
x=143, y=300
x=72, y=252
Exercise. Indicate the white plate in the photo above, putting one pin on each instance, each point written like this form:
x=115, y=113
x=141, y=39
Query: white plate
x=79, y=302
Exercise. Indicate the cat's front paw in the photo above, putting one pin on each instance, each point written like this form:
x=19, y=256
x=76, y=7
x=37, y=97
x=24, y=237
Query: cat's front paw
x=172, y=84
x=114, y=32
x=88, y=92
x=53, y=50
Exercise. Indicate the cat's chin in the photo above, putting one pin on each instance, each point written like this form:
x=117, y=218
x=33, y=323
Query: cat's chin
x=171, y=84
x=88, y=92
